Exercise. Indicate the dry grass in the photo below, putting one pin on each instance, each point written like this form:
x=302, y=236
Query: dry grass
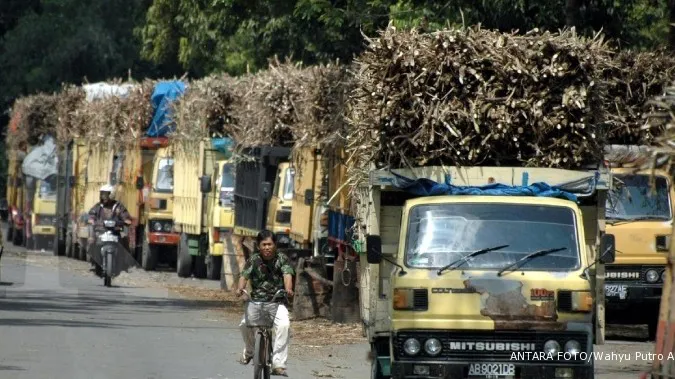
x=308, y=333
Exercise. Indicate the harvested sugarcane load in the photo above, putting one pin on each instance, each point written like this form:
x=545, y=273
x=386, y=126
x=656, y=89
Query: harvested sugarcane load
x=473, y=96
x=662, y=117
x=32, y=117
x=631, y=80
x=204, y=111
x=112, y=113
x=477, y=97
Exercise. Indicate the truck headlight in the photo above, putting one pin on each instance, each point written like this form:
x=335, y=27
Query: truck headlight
x=652, y=276
x=411, y=346
x=573, y=347
x=157, y=226
x=167, y=227
x=551, y=347
x=433, y=346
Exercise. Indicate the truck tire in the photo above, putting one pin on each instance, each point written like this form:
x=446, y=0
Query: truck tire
x=69, y=245
x=214, y=265
x=148, y=255
x=82, y=250
x=10, y=232
x=184, y=262
x=200, y=269
x=17, y=237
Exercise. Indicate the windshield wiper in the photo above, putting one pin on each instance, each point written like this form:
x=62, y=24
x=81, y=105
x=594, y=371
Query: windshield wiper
x=616, y=220
x=471, y=255
x=538, y=253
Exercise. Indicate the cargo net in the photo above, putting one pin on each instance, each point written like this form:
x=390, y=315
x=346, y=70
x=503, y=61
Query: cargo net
x=260, y=314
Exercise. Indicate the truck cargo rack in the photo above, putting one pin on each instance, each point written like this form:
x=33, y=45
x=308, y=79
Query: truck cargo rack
x=253, y=187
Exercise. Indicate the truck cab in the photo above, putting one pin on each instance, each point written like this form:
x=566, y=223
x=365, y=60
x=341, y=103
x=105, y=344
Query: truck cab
x=43, y=216
x=220, y=239
x=281, y=204
x=482, y=282
x=642, y=221
x=160, y=239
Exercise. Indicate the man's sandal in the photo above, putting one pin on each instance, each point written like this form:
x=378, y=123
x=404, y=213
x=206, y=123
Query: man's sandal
x=279, y=372
x=245, y=360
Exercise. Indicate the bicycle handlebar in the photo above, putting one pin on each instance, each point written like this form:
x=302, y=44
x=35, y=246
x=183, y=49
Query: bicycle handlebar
x=281, y=291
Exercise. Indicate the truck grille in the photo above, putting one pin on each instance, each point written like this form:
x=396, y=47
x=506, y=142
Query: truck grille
x=629, y=273
x=283, y=216
x=494, y=345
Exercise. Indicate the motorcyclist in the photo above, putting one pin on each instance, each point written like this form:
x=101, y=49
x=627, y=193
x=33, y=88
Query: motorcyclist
x=107, y=209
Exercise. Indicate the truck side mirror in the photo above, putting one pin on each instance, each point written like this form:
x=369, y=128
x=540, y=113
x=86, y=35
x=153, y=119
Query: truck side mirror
x=607, y=249
x=309, y=197
x=139, y=182
x=266, y=189
x=374, y=249
x=205, y=184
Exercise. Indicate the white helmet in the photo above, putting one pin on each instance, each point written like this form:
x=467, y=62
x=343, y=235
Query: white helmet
x=108, y=188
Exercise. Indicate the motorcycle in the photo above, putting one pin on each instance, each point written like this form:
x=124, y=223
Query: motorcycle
x=109, y=244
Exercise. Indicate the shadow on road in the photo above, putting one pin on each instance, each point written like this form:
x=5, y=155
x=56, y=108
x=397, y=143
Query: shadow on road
x=11, y=368
x=29, y=302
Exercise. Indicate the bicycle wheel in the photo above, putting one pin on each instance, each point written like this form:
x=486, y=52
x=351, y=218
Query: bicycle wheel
x=260, y=368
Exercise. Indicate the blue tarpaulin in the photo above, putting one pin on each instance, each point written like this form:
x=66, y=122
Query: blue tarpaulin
x=428, y=187
x=164, y=93
x=223, y=145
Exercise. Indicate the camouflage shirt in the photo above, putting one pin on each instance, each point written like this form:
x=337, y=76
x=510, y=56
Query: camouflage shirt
x=266, y=277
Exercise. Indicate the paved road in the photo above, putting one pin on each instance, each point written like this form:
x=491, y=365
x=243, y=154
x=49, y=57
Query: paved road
x=59, y=321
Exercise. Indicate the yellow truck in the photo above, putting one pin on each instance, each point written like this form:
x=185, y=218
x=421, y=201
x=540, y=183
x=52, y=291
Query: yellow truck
x=70, y=192
x=159, y=239
x=197, y=205
x=43, y=215
x=483, y=271
x=281, y=204
x=15, y=195
x=641, y=218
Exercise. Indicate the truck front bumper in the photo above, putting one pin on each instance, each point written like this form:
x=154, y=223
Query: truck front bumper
x=163, y=238
x=623, y=294
x=39, y=230
x=460, y=370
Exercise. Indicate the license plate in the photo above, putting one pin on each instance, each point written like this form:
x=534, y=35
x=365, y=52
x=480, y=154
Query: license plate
x=108, y=238
x=616, y=290
x=492, y=370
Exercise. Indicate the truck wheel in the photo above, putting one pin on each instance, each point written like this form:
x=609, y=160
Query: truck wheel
x=10, y=232
x=148, y=255
x=69, y=245
x=184, y=263
x=214, y=264
x=200, y=270
x=82, y=251
x=17, y=237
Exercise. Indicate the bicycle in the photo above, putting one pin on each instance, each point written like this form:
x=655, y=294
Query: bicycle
x=261, y=315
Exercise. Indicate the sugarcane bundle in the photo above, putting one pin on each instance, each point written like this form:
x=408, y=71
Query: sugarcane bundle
x=205, y=111
x=267, y=106
x=116, y=118
x=32, y=117
x=631, y=79
x=70, y=100
x=662, y=117
x=475, y=97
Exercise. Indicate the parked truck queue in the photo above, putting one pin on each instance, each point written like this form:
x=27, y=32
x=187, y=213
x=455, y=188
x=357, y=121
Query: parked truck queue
x=456, y=229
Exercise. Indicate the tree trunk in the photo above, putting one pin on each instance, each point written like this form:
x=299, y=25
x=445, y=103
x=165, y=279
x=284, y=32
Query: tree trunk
x=671, y=21
x=572, y=13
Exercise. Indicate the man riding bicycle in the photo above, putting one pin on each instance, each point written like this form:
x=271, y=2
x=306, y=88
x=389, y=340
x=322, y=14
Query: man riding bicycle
x=268, y=271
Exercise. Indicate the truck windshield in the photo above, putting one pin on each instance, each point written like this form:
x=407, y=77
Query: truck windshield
x=289, y=184
x=48, y=187
x=633, y=199
x=227, y=177
x=442, y=233
x=165, y=175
